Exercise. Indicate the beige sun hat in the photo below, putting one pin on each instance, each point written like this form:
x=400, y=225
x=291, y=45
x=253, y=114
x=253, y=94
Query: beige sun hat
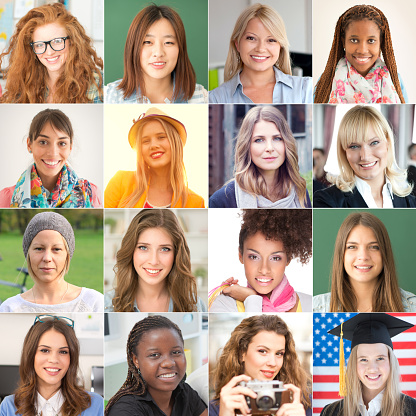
x=155, y=112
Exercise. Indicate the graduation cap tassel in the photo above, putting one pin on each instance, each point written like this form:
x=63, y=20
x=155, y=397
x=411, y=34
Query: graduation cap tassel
x=342, y=387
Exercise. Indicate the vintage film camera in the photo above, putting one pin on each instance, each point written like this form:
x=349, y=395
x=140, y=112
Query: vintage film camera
x=270, y=396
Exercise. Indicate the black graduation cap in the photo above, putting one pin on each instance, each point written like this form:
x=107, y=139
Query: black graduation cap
x=366, y=328
x=371, y=328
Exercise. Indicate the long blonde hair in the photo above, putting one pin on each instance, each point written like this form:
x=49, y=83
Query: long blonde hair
x=246, y=173
x=178, y=179
x=273, y=23
x=354, y=129
x=391, y=405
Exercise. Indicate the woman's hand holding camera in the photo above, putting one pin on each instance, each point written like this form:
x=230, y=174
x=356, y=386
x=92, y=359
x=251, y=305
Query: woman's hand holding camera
x=232, y=397
x=296, y=407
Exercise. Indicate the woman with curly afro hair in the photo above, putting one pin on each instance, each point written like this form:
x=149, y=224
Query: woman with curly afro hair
x=50, y=59
x=268, y=241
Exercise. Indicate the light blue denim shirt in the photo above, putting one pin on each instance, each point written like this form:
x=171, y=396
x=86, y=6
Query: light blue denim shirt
x=288, y=89
x=321, y=303
x=115, y=96
x=108, y=303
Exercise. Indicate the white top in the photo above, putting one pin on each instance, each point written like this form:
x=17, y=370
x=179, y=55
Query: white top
x=253, y=303
x=365, y=190
x=51, y=407
x=374, y=407
x=89, y=300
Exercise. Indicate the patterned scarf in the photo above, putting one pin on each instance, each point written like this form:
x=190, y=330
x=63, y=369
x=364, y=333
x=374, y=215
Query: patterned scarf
x=348, y=86
x=69, y=191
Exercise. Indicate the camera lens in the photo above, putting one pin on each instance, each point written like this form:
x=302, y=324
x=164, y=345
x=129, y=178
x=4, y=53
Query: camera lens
x=265, y=400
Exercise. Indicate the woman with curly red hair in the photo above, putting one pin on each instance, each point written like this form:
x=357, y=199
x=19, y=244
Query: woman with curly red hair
x=268, y=241
x=51, y=59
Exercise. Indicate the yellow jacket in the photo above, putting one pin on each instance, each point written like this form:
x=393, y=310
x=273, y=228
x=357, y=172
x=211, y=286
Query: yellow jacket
x=122, y=184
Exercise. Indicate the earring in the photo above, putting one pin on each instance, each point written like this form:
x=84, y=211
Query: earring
x=30, y=151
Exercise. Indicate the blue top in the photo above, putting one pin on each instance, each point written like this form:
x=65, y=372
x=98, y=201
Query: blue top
x=113, y=95
x=288, y=89
x=7, y=407
x=108, y=303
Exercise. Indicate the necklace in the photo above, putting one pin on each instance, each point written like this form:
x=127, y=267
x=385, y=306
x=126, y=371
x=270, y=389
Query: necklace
x=67, y=287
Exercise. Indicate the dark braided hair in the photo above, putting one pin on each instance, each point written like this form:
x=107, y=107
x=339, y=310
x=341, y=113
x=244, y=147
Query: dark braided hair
x=134, y=383
x=357, y=13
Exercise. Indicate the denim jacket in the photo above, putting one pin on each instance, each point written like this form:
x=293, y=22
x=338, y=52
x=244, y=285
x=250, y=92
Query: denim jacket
x=321, y=303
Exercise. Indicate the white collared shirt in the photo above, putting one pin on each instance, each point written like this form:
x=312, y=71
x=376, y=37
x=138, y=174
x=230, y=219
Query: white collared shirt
x=365, y=190
x=374, y=406
x=51, y=407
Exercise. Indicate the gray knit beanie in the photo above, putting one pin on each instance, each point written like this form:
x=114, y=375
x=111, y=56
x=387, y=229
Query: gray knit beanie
x=49, y=221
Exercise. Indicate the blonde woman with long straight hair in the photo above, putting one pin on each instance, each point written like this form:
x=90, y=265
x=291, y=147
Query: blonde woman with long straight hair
x=266, y=170
x=160, y=178
x=364, y=276
x=369, y=175
x=153, y=270
x=258, y=67
x=372, y=379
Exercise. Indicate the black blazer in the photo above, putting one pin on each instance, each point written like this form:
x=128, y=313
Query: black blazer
x=333, y=197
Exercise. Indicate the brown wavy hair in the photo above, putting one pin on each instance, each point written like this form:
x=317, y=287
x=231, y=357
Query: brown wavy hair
x=357, y=13
x=386, y=296
x=230, y=362
x=180, y=281
x=76, y=399
x=135, y=384
x=133, y=81
x=26, y=77
x=293, y=227
x=246, y=174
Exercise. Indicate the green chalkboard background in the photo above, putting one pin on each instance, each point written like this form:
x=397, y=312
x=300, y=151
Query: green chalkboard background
x=401, y=226
x=119, y=15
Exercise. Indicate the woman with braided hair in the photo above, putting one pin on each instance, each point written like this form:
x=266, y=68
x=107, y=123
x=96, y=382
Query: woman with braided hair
x=155, y=382
x=355, y=72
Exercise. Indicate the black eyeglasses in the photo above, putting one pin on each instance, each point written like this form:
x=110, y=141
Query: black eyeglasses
x=46, y=318
x=57, y=44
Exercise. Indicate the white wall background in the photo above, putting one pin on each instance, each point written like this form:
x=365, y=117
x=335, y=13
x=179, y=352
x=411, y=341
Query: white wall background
x=87, y=152
x=296, y=14
x=400, y=15
x=224, y=226
x=19, y=324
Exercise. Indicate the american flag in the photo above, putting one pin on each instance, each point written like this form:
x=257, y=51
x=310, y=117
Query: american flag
x=326, y=357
